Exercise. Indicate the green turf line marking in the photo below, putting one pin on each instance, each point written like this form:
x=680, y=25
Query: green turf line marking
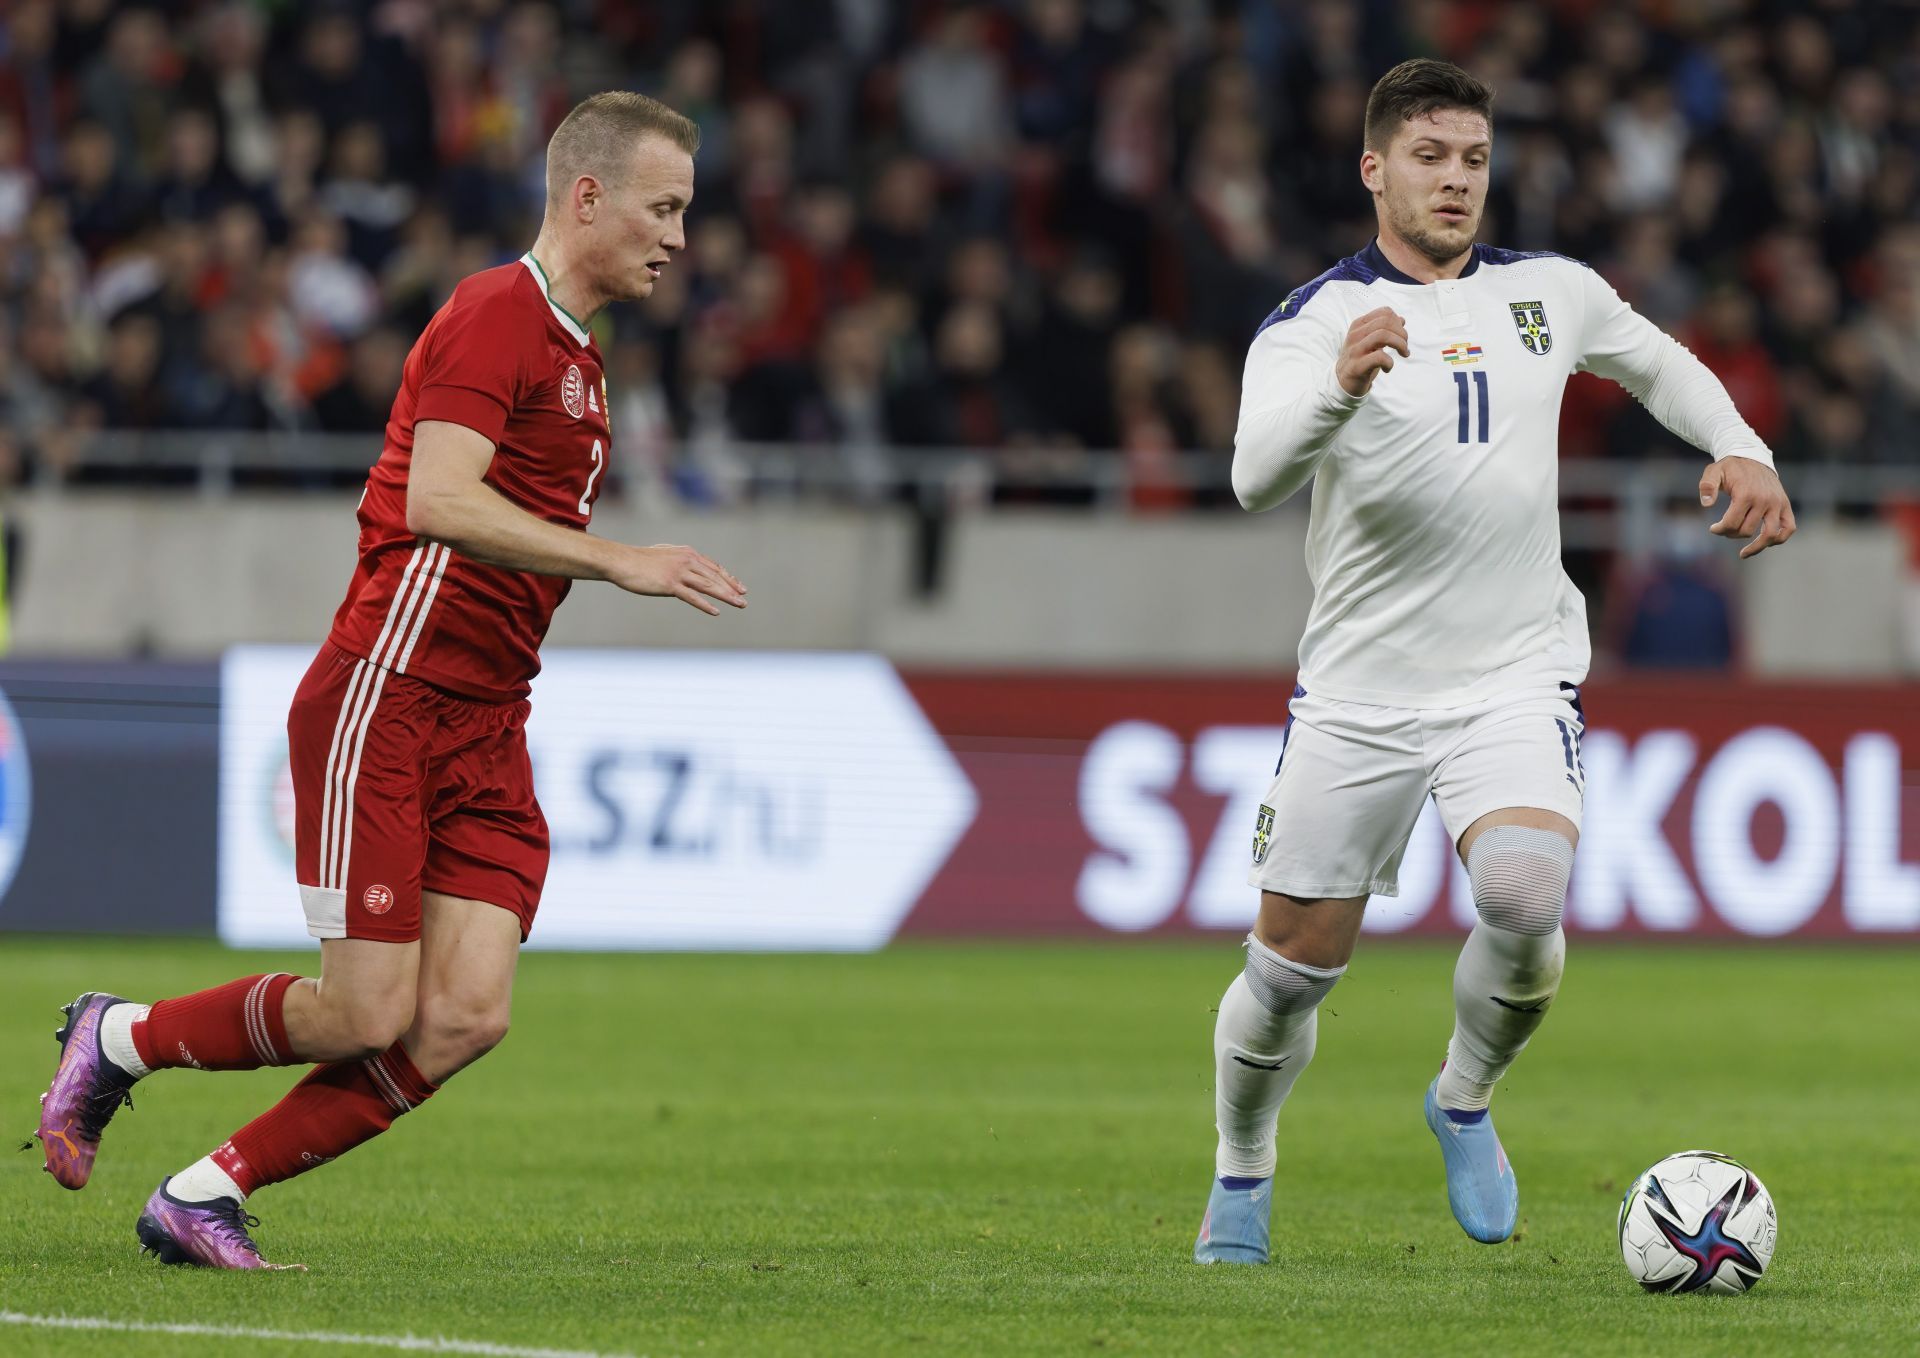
x=413, y=1343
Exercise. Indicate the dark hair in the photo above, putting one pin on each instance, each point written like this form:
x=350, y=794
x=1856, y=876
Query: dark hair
x=1416, y=88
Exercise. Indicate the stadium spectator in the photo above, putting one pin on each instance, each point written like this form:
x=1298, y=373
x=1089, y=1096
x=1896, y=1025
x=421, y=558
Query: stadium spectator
x=225, y=389
x=899, y=232
x=1751, y=182
x=105, y=203
x=128, y=88
x=845, y=402
x=357, y=191
x=360, y=400
x=17, y=183
x=1058, y=63
x=641, y=419
x=824, y=267
x=32, y=90
x=1726, y=339
x=953, y=93
x=126, y=392
x=329, y=290
x=1672, y=607
x=225, y=78
x=48, y=381
x=971, y=399
x=1069, y=370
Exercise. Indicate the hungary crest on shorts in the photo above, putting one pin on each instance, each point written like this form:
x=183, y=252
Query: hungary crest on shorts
x=1530, y=319
x=1262, y=835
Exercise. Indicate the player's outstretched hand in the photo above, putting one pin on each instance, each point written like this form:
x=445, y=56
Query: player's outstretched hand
x=1372, y=341
x=1758, y=508
x=666, y=571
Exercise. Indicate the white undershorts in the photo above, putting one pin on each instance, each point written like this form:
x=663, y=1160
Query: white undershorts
x=1353, y=778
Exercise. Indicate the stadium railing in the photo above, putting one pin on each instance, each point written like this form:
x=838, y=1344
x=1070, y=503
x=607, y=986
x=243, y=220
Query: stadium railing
x=1606, y=505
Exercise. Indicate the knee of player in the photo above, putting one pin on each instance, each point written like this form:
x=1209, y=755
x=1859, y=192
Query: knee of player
x=1305, y=935
x=1519, y=876
x=488, y=1031
x=466, y=1031
x=371, y=1026
x=373, y=1032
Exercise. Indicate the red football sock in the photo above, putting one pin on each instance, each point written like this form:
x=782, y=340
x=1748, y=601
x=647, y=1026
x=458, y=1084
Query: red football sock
x=241, y=1025
x=323, y=1117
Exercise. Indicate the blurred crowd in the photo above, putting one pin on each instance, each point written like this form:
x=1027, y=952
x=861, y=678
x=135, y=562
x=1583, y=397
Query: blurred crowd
x=1046, y=227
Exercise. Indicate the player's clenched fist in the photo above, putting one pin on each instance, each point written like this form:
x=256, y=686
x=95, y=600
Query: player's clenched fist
x=667, y=571
x=1372, y=341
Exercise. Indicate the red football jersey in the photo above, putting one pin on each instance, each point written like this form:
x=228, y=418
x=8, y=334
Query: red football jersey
x=503, y=359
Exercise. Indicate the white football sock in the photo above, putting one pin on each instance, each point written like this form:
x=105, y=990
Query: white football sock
x=116, y=1037
x=1502, y=986
x=1262, y=1040
x=1510, y=968
x=203, y=1181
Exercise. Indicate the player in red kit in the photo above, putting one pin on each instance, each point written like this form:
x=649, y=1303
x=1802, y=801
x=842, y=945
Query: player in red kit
x=420, y=849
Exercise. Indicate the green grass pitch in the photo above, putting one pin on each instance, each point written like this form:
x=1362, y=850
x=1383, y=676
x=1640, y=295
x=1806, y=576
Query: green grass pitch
x=1005, y=1150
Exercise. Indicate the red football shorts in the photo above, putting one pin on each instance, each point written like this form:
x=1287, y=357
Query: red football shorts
x=400, y=787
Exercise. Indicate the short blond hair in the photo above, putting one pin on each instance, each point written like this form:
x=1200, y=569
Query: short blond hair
x=599, y=134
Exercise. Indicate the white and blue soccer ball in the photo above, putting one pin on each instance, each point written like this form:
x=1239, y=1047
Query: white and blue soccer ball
x=1698, y=1221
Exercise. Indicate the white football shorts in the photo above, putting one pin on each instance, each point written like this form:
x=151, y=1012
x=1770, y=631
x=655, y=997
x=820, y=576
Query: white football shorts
x=1352, y=780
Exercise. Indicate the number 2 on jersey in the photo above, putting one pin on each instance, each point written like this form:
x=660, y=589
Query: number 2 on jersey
x=600, y=464
x=1466, y=422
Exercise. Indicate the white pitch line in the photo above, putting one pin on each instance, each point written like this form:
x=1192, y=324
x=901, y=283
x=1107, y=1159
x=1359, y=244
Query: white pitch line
x=413, y=1343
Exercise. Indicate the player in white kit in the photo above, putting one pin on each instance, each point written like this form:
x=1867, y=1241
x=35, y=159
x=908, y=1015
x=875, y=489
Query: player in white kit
x=1418, y=385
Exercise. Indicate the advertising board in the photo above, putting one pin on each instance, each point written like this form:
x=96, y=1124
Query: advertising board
x=1713, y=808
x=720, y=800
x=107, y=777
x=820, y=801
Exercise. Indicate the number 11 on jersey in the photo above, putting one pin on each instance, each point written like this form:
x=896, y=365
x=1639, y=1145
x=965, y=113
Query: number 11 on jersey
x=1466, y=423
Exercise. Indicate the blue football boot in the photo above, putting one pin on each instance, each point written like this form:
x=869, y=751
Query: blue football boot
x=1480, y=1184
x=1238, y=1220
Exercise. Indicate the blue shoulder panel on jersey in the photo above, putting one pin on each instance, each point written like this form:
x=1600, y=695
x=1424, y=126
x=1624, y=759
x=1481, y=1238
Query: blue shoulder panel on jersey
x=1493, y=254
x=1352, y=269
x=1370, y=265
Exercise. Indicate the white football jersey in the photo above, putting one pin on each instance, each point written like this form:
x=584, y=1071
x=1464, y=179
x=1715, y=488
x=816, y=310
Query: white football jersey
x=1433, y=543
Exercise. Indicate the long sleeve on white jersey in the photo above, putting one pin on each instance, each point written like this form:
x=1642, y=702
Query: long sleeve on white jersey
x=1292, y=408
x=1663, y=375
x=1433, y=541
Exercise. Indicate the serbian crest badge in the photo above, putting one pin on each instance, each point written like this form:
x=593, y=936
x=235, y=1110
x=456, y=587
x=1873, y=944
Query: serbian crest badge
x=1530, y=319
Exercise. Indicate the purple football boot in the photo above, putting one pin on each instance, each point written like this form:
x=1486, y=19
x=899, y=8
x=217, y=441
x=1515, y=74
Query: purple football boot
x=206, y=1234
x=87, y=1091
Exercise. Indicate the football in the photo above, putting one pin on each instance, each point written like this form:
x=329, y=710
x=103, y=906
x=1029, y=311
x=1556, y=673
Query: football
x=1698, y=1221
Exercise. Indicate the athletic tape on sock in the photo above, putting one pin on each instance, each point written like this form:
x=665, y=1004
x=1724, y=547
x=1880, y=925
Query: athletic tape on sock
x=1283, y=985
x=1519, y=877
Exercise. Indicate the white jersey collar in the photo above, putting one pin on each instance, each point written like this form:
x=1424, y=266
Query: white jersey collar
x=560, y=313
